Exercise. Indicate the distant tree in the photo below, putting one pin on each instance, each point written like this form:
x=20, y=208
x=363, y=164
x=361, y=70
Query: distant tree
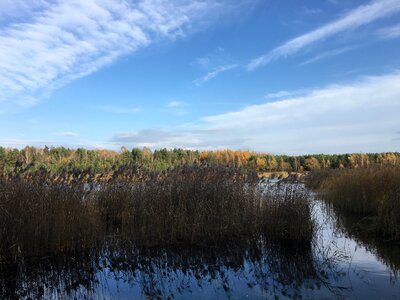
x=137, y=155
x=312, y=163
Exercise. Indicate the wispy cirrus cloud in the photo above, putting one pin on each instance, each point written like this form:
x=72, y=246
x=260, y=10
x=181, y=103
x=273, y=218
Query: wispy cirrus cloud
x=215, y=62
x=64, y=40
x=329, y=53
x=391, y=32
x=353, y=19
x=11, y=10
x=214, y=73
x=353, y=117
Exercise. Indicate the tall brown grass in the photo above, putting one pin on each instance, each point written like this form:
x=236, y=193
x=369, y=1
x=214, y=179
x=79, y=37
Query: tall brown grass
x=287, y=212
x=36, y=218
x=190, y=205
x=372, y=194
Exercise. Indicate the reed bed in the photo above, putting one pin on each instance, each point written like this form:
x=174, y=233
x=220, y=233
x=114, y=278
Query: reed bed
x=287, y=212
x=38, y=219
x=372, y=194
x=190, y=205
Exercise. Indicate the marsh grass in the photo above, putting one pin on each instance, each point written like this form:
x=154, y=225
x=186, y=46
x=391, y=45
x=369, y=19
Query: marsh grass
x=372, y=195
x=37, y=219
x=191, y=205
x=287, y=212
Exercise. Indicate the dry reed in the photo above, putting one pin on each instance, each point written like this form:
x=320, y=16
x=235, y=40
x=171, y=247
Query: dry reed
x=191, y=205
x=372, y=194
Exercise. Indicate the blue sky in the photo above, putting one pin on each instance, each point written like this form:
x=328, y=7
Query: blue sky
x=281, y=76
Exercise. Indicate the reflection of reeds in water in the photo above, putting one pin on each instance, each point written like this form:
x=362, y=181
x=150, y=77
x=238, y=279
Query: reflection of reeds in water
x=50, y=277
x=349, y=225
x=190, y=205
x=370, y=195
x=167, y=272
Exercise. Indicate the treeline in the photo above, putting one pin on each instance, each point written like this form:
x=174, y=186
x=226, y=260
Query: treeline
x=59, y=159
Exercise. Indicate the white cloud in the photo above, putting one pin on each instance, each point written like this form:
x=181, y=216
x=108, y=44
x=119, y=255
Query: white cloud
x=353, y=19
x=213, y=74
x=353, y=117
x=174, y=104
x=16, y=9
x=118, y=109
x=389, y=32
x=65, y=40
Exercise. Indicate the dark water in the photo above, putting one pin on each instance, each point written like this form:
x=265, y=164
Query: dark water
x=338, y=265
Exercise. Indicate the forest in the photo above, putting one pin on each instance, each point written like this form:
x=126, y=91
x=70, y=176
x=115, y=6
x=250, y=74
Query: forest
x=56, y=160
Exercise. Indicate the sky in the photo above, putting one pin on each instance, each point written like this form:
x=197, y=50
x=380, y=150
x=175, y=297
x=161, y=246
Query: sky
x=283, y=77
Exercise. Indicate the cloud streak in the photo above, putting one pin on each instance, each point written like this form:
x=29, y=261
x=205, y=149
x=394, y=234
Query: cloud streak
x=213, y=74
x=65, y=40
x=389, y=32
x=329, y=53
x=353, y=19
x=175, y=104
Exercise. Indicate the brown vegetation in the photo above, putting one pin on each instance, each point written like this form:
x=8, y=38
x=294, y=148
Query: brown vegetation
x=372, y=194
x=187, y=205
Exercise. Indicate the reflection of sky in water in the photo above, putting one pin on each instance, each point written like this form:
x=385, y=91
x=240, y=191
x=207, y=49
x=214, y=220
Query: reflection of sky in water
x=352, y=272
x=365, y=276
